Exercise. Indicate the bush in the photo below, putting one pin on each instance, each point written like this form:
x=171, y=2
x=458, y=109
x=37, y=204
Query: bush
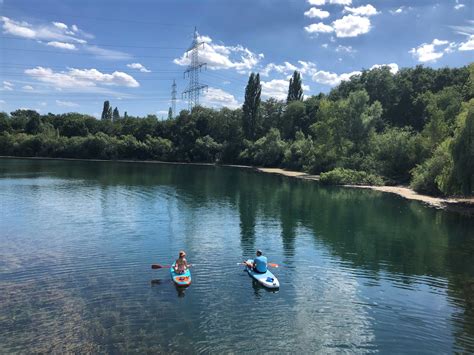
x=341, y=176
x=431, y=176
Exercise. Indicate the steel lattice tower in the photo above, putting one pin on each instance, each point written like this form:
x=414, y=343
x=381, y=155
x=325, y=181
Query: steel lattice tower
x=194, y=88
x=173, y=99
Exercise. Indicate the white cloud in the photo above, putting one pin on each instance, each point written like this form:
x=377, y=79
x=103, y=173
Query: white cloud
x=58, y=34
x=60, y=25
x=287, y=68
x=62, y=45
x=314, y=12
x=139, y=67
x=351, y=26
x=80, y=78
x=277, y=88
x=66, y=103
x=28, y=87
x=318, y=27
x=367, y=10
x=459, y=6
x=468, y=45
x=428, y=52
x=219, y=98
x=7, y=86
x=316, y=2
x=42, y=103
x=393, y=67
x=340, y=2
x=345, y=49
x=223, y=57
x=332, y=79
x=107, y=53
x=2, y=102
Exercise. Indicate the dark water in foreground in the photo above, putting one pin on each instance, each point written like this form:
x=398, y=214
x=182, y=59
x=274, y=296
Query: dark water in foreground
x=361, y=271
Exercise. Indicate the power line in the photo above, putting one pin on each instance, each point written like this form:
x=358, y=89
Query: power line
x=104, y=18
x=124, y=55
x=106, y=45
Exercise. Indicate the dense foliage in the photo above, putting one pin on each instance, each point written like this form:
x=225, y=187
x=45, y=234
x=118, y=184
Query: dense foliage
x=341, y=176
x=416, y=126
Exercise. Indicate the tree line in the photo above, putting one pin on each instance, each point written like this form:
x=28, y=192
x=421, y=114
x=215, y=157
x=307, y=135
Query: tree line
x=414, y=127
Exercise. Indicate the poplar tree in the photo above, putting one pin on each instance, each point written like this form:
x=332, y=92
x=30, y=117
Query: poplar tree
x=106, y=111
x=170, y=113
x=253, y=91
x=116, y=114
x=295, y=89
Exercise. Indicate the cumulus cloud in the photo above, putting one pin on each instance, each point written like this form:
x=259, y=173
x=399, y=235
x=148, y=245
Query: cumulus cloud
x=393, y=67
x=332, y=79
x=214, y=97
x=277, y=88
x=223, y=57
x=315, y=12
x=459, y=6
x=318, y=28
x=28, y=87
x=66, y=103
x=430, y=52
x=316, y=2
x=287, y=68
x=62, y=45
x=351, y=26
x=345, y=49
x=60, y=25
x=468, y=45
x=367, y=10
x=340, y=2
x=138, y=66
x=81, y=78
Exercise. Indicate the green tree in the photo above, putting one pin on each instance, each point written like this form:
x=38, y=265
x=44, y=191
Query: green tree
x=107, y=111
x=251, y=106
x=115, y=114
x=463, y=151
x=295, y=89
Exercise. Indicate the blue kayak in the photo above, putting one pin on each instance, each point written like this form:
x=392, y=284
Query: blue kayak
x=266, y=279
x=183, y=279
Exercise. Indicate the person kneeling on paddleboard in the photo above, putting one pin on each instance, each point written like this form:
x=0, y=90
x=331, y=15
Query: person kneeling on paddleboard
x=260, y=263
x=181, y=265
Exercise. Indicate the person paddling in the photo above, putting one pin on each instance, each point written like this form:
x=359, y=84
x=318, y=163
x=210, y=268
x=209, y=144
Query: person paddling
x=259, y=264
x=181, y=265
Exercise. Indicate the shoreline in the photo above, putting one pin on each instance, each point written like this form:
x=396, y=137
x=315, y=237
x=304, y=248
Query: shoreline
x=464, y=204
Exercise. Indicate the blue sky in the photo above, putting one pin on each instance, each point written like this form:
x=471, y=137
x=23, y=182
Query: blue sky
x=61, y=56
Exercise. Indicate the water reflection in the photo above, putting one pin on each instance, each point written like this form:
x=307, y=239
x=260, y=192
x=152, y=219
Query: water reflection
x=361, y=271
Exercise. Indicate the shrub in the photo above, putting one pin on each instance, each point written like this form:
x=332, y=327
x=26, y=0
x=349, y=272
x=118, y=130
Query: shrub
x=341, y=176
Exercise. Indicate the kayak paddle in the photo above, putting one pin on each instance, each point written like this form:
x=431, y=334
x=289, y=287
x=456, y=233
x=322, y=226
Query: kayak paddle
x=268, y=264
x=158, y=266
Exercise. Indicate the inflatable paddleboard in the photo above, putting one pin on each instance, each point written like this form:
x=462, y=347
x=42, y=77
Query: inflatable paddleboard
x=181, y=279
x=266, y=279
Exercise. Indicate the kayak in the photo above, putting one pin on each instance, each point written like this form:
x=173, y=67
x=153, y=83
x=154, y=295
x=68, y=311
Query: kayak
x=266, y=279
x=181, y=279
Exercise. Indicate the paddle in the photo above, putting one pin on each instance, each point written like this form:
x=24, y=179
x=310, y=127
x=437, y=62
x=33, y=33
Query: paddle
x=268, y=264
x=158, y=266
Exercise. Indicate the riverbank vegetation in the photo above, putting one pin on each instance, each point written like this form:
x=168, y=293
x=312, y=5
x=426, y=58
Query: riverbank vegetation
x=414, y=127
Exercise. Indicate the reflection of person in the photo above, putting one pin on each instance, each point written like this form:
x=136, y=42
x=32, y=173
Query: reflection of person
x=259, y=263
x=181, y=265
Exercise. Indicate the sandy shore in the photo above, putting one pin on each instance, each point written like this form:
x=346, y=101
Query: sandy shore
x=465, y=204
x=405, y=192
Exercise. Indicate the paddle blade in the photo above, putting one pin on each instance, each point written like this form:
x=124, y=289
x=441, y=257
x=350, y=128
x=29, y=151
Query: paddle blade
x=272, y=264
x=158, y=266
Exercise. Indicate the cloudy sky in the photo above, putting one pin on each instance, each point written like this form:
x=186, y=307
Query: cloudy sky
x=66, y=55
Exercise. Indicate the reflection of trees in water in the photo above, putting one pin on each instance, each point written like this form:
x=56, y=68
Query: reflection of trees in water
x=368, y=229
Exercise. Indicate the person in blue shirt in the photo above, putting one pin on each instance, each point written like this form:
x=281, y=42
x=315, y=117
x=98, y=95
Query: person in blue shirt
x=259, y=263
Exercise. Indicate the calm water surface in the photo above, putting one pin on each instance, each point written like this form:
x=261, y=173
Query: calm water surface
x=361, y=271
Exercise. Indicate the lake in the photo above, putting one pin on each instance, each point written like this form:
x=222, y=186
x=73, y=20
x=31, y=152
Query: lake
x=360, y=271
